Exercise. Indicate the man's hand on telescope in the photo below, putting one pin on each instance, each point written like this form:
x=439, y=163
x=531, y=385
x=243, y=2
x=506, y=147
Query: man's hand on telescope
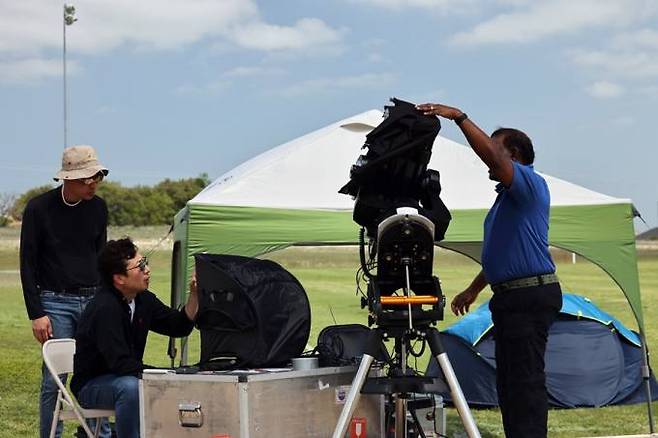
x=436, y=109
x=192, y=305
x=462, y=302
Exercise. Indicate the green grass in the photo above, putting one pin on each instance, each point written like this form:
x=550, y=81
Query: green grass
x=328, y=276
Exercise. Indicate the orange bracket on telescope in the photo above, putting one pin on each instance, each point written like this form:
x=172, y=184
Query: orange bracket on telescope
x=414, y=299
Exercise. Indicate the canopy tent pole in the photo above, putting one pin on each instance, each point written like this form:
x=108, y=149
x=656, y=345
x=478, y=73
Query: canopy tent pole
x=646, y=376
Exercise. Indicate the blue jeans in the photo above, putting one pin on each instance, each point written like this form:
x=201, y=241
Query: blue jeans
x=64, y=312
x=120, y=393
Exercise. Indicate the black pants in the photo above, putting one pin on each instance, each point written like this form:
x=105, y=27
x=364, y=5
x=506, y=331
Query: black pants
x=521, y=320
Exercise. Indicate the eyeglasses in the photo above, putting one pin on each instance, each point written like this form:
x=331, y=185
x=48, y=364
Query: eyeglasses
x=142, y=264
x=94, y=179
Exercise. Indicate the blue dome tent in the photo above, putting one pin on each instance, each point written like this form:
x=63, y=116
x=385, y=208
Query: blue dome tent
x=592, y=360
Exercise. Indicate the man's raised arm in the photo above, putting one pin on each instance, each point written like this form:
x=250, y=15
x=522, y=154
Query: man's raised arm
x=494, y=155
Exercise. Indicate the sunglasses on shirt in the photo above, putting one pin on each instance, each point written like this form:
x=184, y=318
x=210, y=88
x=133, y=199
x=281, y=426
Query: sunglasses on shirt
x=141, y=264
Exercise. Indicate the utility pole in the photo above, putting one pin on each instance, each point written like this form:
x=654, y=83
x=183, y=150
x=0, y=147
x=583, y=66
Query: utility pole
x=69, y=19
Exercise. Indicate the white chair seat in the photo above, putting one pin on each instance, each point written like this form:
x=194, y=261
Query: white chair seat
x=58, y=357
x=86, y=413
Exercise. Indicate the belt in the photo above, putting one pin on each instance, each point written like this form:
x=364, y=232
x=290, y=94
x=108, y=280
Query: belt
x=81, y=291
x=535, y=280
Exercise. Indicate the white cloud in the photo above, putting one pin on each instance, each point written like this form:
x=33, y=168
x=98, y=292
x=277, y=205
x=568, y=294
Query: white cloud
x=624, y=121
x=23, y=26
x=514, y=2
x=434, y=95
x=626, y=50
x=227, y=80
x=35, y=25
x=32, y=29
x=211, y=88
x=305, y=34
x=373, y=49
x=33, y=69
x=621, y=64
x=651, y=91
x=534, y=21
x=444, y=6
x=639, y=39
x=375, y=58
x=605, y=90
x=330, y=85
x=243, y=71
x=628, y=55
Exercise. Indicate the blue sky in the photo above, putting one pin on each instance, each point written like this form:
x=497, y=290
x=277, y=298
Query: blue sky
x=174, y=89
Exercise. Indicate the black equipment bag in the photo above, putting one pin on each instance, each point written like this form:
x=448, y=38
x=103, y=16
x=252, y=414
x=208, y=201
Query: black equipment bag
x=341, y=345
x=252, y=313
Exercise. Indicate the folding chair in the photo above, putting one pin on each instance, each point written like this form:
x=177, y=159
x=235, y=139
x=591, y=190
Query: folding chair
x=58, y=357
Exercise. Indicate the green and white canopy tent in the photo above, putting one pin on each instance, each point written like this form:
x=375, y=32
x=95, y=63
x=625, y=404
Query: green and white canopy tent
x=288, y=195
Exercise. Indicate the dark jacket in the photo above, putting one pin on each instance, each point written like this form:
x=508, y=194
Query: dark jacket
x=60, y=246
x=108, y=343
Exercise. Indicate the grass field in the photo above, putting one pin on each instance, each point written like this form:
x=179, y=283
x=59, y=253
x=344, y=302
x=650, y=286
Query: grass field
x=328, y=276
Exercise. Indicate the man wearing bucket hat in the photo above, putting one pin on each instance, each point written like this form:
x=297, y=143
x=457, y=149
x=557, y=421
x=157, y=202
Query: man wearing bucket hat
x=63, y=231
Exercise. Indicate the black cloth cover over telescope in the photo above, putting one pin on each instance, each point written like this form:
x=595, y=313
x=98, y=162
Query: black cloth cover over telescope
x=252, y=313
x=393, y=173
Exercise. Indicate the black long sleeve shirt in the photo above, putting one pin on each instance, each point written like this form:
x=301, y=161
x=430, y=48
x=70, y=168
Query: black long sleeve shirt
x=60, y=246
x=107, y=342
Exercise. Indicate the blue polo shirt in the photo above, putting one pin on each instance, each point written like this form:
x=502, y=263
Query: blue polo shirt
x=516, y=229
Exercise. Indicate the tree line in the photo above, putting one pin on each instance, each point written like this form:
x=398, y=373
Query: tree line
x=138, y=205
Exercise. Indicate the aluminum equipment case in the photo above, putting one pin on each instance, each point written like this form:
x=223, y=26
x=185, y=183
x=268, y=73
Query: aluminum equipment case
x=291, y=404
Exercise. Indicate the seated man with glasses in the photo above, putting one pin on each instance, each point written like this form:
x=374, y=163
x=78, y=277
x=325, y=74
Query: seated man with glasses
x=112, y=333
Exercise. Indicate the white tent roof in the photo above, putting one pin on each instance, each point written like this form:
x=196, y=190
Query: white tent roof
x=306, y=173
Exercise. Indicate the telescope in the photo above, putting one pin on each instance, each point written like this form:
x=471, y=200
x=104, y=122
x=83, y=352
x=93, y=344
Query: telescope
x=398, y=205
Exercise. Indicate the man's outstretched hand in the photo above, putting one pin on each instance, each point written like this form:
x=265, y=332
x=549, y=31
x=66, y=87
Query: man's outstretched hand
x=462, y=302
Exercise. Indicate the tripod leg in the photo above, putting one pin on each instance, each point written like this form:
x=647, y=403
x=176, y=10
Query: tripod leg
x=400, y=417
x=455, y=390
x=373, y=347
x=353, y=397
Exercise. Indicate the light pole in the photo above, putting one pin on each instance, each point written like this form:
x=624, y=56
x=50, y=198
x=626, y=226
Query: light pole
x=69, y=19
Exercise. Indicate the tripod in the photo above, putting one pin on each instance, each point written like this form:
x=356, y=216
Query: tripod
x=404, y=261
x=403, y=384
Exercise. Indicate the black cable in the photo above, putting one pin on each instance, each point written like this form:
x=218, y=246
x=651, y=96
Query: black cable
x=362, y=253
x=419, y=427
x=422, y=349
x=358, y=279
x=150, y=251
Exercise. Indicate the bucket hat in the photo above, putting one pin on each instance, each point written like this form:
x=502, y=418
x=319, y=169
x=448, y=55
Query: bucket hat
x=79, y=162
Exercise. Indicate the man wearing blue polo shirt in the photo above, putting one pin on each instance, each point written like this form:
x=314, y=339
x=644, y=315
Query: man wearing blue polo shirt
x=518, y=266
